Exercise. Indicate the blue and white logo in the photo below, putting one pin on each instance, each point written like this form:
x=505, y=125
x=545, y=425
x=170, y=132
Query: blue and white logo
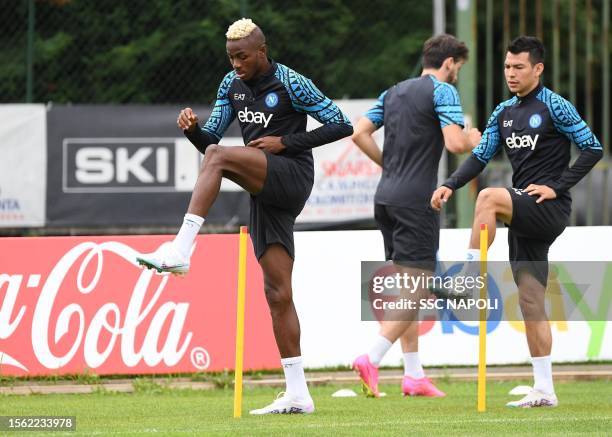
x=535, y=120
x=271, y=100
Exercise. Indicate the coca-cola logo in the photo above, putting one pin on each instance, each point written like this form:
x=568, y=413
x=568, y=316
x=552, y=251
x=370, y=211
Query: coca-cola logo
x=159, y=326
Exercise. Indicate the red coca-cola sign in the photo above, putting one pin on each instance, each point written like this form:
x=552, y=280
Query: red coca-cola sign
x=75, y=304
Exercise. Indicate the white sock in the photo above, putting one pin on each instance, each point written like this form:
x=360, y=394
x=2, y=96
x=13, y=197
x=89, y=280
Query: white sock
x=379, y=349
x=472, y=268
x=542, y=374
x=295, y=379
x=183, y=241
x=412, y=365
x=473, y=255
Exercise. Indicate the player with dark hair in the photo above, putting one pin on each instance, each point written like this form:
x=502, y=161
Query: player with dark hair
x=271, y=102
x=421, y=116
x=536, y=128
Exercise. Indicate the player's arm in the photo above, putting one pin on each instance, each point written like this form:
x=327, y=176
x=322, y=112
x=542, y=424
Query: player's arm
x=366, y=126
x=362, y=137
x=220, y=118
x=306, y=98
x=474, y=164
x=567, y=121
x=458, y=140
x=448, y=108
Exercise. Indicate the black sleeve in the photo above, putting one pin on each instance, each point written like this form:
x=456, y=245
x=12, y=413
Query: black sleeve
x=200, y=138
x=570, y=177
x=468, y=170
x=325, y=134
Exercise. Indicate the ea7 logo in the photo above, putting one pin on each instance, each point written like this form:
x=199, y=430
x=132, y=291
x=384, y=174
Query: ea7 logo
x=118, y=165
x=508, y=123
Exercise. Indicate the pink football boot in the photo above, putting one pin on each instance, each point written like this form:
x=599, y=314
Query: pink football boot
x=420, y=387
x=368, y=374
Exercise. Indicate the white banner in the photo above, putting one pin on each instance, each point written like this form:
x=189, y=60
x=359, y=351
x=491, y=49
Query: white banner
x=326, y=289
x=345, y=178
x=23, y=171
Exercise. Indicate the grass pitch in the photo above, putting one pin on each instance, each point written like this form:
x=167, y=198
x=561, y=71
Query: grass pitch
x=585, y=409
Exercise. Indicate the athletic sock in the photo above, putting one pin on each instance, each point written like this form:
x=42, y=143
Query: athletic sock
x=472, y=267
x=542, y=374
x=379, y=349
x=295, y=379
x=412, y=365
x=183, y=241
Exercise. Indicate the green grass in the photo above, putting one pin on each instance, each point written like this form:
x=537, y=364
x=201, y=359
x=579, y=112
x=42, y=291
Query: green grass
x=585, y=408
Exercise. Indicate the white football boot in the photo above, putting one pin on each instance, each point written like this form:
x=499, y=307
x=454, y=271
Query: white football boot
x=166, y=259
x=534, y=399
x=286, y=405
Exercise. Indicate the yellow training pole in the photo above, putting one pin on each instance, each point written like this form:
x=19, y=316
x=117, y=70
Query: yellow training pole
x=482, y=325
x=242, y=256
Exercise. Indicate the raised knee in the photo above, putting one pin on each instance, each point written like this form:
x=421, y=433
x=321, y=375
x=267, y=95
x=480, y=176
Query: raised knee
x=486, y=198
x=213, y=155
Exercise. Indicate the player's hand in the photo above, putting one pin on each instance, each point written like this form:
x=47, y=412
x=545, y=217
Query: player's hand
x=474, y=137
x=268, y=144
x=440, y=197
x=187, y=120
x=545, y=192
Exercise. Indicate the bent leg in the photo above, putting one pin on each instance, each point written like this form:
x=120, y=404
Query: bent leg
x=245, y=166
x=277, y=267
x=491, y=204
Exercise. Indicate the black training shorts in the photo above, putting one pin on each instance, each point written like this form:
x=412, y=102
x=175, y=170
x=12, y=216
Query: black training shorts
x=534, y=227
x=411, y=235
x=273, y=211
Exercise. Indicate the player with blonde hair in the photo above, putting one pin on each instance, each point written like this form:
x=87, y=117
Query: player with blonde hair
x=271, y=102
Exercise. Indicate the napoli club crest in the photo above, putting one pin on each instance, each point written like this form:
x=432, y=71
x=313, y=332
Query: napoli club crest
x=271, y=100
x=535, y=120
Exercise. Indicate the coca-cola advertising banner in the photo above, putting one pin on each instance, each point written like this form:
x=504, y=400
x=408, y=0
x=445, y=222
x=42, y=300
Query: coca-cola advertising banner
x=70, y=305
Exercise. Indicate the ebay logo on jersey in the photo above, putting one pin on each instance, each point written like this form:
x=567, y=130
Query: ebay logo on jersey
x=246, y=116
x=517, y=142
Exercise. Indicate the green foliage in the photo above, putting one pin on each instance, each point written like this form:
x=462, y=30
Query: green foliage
x=160, y=52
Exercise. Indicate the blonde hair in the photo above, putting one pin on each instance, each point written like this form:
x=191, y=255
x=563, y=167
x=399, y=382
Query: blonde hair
x=240, y=29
